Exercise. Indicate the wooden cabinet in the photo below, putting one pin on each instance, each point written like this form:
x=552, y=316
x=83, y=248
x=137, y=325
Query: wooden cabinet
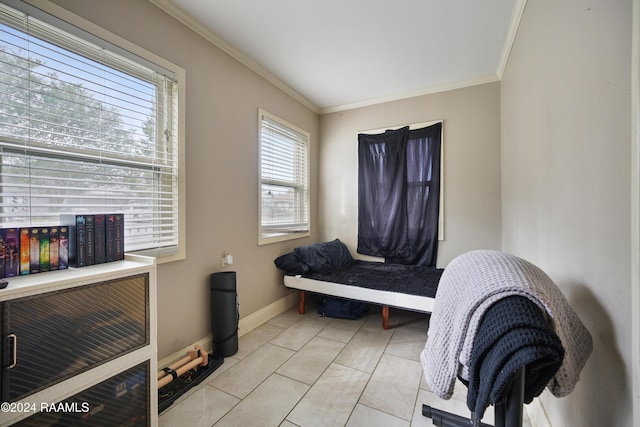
x=79, y=346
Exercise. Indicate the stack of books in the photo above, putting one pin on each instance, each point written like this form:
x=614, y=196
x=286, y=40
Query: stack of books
x=28, y=250
x=79, y=241
x=94, y=239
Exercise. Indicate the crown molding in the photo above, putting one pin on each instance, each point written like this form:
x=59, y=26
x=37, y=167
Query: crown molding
x=178, y=13
x=516, y=16
x=490, y=78
x=187, y=19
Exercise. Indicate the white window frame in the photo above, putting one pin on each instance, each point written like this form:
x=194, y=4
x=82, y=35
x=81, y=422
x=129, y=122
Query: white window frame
x=265, y=237
x=125, y=47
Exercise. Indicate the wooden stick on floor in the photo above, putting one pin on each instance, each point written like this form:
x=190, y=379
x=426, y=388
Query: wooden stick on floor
x=198, y=357
x=176, y=365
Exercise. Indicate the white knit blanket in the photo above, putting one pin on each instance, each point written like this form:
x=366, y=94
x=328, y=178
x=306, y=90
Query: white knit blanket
x=470, y=284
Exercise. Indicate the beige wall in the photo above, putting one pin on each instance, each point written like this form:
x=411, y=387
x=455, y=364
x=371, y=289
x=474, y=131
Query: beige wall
x=471, y=165
x=537, y=165
x=566, y=150
x=222, y=99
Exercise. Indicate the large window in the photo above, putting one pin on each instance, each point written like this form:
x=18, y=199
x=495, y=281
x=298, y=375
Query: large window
x=284, y=180
x=85, y=127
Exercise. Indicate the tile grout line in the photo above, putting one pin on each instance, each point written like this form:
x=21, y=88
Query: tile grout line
x=371, y=374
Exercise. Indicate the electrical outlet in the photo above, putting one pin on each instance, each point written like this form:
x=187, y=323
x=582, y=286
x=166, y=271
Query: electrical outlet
x=227, y=260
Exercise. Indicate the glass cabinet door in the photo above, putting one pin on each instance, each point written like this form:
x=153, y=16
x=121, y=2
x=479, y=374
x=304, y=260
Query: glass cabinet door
x=121, y=400
x=50, y=337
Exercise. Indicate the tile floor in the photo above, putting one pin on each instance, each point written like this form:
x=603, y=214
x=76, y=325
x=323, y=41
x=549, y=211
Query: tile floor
x=314, y=371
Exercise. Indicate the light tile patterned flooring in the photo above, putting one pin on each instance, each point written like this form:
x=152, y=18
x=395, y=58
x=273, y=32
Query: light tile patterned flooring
x=314, y=371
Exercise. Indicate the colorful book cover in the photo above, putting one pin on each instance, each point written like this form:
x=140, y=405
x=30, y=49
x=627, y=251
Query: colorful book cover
x=44, y=249
x=12, y=247
x=63, y=247
x=34, y=250
x=25, y=267
x=53, y=248
x=77, y=255
x=100, y=248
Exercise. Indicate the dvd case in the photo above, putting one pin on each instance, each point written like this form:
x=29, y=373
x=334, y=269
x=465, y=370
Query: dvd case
x=34, y=250
x=25, y=267
x=54, y=249
x=44, y=249
x=12, y=244
x=77, y=255
x=63, y=247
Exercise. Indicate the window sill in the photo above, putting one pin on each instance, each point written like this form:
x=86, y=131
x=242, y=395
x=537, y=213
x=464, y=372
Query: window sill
x=281, y=237
x=163, y=255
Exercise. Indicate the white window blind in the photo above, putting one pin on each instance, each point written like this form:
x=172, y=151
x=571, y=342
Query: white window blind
x=284, y=180
x=85, y=127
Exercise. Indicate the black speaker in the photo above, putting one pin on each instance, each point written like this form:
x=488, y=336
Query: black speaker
x=225, y=313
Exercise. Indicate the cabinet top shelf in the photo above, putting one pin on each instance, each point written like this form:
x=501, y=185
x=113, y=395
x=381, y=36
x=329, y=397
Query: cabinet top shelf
x=32, y=284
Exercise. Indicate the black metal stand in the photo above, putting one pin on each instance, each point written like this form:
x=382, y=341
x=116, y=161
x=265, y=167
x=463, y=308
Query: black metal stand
x=508, y=413
x=176, y=388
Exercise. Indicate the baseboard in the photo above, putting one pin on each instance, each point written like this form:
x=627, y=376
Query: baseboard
x=537, y=414
x=247, y=324
x=205, y=343
x=253, y=320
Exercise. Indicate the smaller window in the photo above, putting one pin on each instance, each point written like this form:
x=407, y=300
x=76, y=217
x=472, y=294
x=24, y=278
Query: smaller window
x=284, y=180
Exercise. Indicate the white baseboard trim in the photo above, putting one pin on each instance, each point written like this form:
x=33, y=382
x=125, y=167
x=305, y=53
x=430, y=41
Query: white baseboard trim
x=205, y=343
x=247, y=324
x=253, y=320
x=537, y=414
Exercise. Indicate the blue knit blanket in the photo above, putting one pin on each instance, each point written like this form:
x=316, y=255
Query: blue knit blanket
x=513, y=333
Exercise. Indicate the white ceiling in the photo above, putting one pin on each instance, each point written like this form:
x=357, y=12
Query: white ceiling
x=337, y=54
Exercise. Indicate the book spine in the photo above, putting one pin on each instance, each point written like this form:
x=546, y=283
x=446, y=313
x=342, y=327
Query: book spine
x=119, y=237
x=110, y=237
x=3, y=235
x=69, y=221
x=25, y=266
x=12, y=264
x=44, y=249
x=54, y=249
x=80, y=242
x=34, y=250
x=100, y=249
x=91, y=239
x=63, y=247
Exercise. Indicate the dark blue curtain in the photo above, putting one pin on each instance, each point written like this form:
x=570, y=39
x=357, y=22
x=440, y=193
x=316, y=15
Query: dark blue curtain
x=399, y=194
x=381, y=194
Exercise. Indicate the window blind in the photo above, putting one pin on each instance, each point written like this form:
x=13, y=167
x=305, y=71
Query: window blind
x=84, y=129
x=284, y=177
